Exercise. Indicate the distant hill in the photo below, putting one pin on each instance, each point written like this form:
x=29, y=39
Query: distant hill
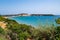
x=41, y=14
x=26, y=14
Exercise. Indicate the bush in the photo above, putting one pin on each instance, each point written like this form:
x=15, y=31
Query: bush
x=2, y=31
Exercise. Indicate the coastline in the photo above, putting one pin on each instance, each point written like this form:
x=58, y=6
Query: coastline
x=25, y=14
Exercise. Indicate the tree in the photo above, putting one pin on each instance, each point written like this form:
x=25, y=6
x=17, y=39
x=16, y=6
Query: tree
x=58, y=29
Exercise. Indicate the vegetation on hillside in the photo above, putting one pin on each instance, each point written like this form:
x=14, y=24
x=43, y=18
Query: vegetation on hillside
x=16, y=31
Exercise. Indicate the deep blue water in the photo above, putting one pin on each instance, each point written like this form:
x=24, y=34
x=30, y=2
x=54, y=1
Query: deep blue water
x=36, y=20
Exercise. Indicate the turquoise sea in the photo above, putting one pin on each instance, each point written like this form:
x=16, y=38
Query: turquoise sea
x=36, y=20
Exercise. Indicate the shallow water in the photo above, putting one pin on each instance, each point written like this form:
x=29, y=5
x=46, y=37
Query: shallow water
x=36, y=20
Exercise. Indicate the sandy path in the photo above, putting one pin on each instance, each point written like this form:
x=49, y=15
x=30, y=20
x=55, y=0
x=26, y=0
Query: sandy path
x=2, y=24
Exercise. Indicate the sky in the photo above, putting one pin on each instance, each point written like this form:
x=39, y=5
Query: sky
x=30, y=6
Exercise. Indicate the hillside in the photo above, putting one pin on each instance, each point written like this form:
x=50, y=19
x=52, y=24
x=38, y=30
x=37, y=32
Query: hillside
x=11, y=30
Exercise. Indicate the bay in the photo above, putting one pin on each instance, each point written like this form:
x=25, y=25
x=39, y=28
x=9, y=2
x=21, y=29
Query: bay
x=36, y=20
